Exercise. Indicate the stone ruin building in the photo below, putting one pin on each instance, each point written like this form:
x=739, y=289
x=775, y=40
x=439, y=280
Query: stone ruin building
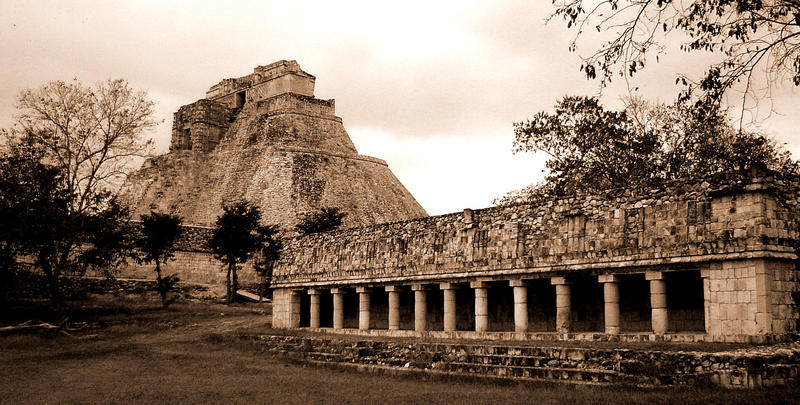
x=266, y=139
x=710, y=260
x=713, y=260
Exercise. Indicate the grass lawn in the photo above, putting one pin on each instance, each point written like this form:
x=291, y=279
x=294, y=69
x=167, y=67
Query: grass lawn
x=133, y=351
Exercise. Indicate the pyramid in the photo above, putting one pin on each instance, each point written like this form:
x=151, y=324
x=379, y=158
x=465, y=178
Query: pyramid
x=265, y=138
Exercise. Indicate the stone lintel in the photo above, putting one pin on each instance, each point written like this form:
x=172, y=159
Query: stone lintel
x=705, y=273
x=517, y=283
x=479, y=284
x=448, y=286
x=363, y=290
x=394, y=288
x=654, y=275
x=559, y=281
x=608, y=278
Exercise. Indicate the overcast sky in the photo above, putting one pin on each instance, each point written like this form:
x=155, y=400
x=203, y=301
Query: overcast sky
x=431, y=87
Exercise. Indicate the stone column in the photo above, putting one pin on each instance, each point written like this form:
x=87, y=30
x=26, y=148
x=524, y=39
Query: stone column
x=520, y=305
x=764, y=304
x=611, y=299
x=449, y=290
x=338, y=307
x=705, y=274
x=481, y=305
x=294, y=303
x=658, y=301
x=363, y=307
x=314, y=317
x=562, y=303
x=394, y=306
x=420, y=307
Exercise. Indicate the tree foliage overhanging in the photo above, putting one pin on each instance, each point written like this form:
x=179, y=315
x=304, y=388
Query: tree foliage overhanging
x=590, y=149
x=758, y=41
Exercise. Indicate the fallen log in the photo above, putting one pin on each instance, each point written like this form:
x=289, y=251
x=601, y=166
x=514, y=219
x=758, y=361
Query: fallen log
x=27, y=326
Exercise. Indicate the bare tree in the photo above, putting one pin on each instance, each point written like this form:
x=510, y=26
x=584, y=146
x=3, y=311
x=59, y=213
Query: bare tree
x=93, y=135
x=758, y=41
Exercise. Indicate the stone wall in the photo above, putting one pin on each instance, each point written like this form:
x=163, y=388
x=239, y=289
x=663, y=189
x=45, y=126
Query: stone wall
x=753, y=367
x=191, y=267
x=693, y=223
x=193, y=262
x=752, y=296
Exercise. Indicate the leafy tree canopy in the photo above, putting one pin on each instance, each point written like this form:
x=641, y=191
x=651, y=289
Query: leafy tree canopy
x=159, y=232
x=238, y=235
x=758, y=41
x=323, y=220
x=88, y=138
x=590, y=148
x=269, y=253
x=30, y=194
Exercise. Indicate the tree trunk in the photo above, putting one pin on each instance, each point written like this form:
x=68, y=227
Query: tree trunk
x=235, y=285
x=228, y=284
x=51, y=275
x=6, y=275
x=263, y=289
x=160, y=283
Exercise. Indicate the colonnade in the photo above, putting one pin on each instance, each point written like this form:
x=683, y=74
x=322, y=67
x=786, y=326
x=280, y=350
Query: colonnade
x=563, y=304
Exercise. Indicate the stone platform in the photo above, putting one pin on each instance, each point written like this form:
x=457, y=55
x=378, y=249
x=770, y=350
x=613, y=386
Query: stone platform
x=560, y=337
x=753, y=367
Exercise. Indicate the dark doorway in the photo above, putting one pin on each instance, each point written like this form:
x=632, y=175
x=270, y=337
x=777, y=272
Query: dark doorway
x=501, y=307
x=465, y=307
x=350, y=308
x=634, y=303
x=187, y=139
x=541, y=305
x=240, y=99
x=685, y=302
x=305, y=309
x=587, y=313
x=325, y=309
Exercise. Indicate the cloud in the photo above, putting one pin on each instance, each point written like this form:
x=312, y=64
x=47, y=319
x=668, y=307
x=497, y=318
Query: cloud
x=447, y=174
x=432, y=87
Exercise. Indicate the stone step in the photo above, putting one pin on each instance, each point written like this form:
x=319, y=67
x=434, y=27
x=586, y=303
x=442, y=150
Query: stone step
x=570, y=353
x=544, y=373
x=509, y=359
x=325, y=356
